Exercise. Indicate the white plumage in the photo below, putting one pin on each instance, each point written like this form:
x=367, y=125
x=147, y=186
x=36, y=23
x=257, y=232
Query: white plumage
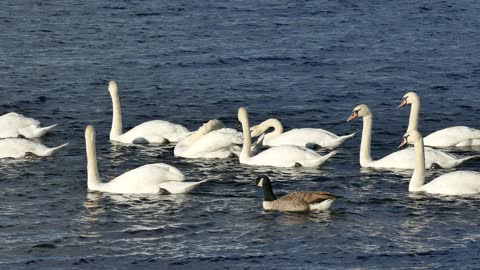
x=13, y=124
x=20, y=147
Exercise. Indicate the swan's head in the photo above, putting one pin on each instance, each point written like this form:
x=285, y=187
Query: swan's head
x=242, y=115
x=112, y=87
x=256, y=131
x=89, y=133
x=411, y=137
x=361, y=110
x=262, y=181
x=409, y=98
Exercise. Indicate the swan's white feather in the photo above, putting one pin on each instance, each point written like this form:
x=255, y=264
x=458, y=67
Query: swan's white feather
x=405, y=159
x=144, y=179
x=13, y=124
x=19, y=147
x=307, y=136
x=453, y=136
x=287, y=156
x=155, y=131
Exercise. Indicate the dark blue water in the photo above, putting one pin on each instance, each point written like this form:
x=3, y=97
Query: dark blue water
x=307, y=63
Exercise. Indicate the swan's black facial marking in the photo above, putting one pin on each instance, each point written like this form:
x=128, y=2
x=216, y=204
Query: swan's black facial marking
x=239, y=125
x=353, y=115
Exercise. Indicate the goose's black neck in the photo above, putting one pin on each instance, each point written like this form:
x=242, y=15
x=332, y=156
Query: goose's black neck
x=268, y=195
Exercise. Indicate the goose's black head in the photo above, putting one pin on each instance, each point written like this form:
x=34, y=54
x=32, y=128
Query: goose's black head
x=262, y=181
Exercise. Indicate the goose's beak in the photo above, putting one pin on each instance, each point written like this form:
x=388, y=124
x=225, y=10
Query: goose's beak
x=404, y=142
x=403, y=103
x=352, y=116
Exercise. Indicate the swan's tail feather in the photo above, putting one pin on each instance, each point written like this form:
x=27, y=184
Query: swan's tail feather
x=34, y=131
x=175, y=187
x=340, y=140
x=52, y=151
x=462, y=160
x=319, y=161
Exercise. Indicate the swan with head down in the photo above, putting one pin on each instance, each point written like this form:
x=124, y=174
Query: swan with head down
x=211, y=140
x=456, y=136
x=158, y=178
x=454, y=183
x=305, y=137
x=21, y=147
x=14, y=125
x=154, y=131
x=278, y=156
x=403, y=159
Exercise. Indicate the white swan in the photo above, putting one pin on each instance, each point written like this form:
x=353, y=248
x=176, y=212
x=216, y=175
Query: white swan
x=403, y=159
x=155, y=178
x=155, y=131
x=279, y=156
x=454, y=183
x=20, y=148
x=305, y=137
x=13, y=124
x=211, y=140
x=448, y=137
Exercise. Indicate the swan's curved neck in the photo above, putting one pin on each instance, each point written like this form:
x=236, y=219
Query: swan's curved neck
x=116, y=117
x=247, y=140
x=365, y=156
x=414, y=113
x=92, y=169
x=418, y=177
x=274, y=123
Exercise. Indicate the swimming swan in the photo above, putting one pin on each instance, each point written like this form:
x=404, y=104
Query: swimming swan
x=448, y=137
x=279, y=156
x=454, y=183
x=13, y=125
x=20, y=148
x=403, y=159
x=211, y=140
x=155, y=178
x=155, y=131
x=294, y=202
x=305, y=137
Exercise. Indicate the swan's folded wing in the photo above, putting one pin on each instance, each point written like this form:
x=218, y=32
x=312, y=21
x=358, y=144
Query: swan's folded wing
x=215, y=141
x=150, y=174
x=309, y=197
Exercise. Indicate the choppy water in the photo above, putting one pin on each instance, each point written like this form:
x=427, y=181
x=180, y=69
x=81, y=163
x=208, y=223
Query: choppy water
x=306, y=62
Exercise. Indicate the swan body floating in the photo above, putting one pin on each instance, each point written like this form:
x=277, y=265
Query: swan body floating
x=403, y=159
x=294, y=202
x=279, y=156
x=155, y=131
x=305, y=137
x=449, y=137
x=211, y=140
x=155, y=178
x=13, y=125
x=454, y=183
x=20, y=148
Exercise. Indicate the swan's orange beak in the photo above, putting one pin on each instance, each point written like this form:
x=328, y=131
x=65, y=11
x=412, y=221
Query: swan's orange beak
x=352, y=116
x=403, y=103
x=404, y=142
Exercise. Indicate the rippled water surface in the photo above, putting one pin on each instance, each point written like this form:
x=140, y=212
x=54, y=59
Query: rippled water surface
x=307, y=63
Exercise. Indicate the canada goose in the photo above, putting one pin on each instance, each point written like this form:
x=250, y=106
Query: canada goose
x=293, y=202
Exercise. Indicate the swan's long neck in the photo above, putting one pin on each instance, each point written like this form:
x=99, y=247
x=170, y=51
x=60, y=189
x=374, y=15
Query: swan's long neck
x=277, y=125
x=418, y=177
x=92, y=169
x=414, y=112
x=117, y=117
x=247, y=140
x=365, y=156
